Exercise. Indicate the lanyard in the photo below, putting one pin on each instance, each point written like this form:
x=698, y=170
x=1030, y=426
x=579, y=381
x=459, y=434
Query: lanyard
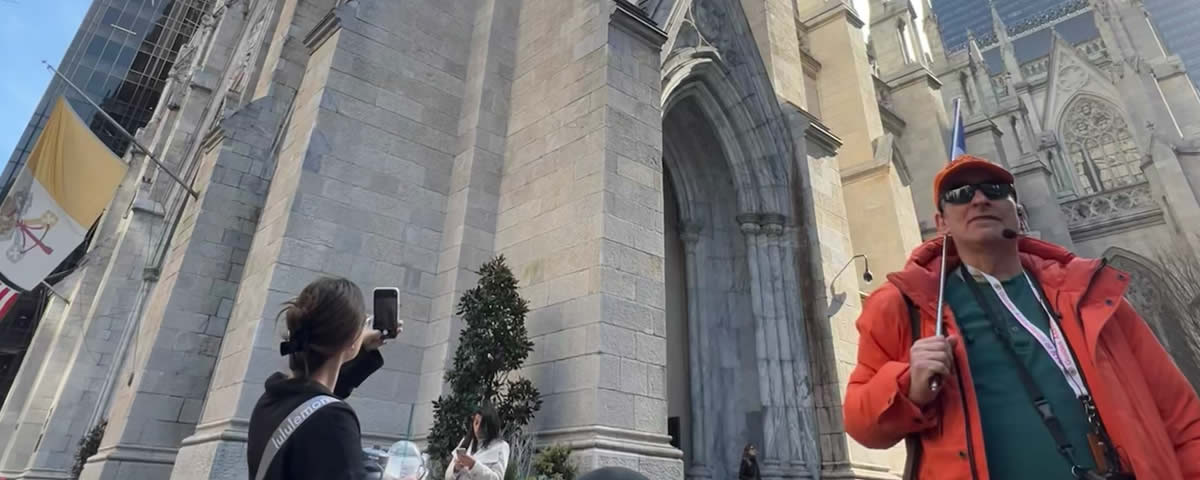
x=1055, y=345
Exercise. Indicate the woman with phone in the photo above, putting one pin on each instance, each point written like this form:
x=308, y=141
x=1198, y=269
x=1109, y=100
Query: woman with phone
x=300, y=429
x=483, y=454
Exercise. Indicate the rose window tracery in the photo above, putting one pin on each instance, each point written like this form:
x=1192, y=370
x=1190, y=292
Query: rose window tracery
x=1100, y=147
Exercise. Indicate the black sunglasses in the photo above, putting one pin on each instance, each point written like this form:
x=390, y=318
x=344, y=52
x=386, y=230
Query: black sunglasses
x=963, y=195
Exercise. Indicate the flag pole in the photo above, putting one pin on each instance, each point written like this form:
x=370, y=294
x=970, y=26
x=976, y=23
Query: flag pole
x=954, y=134
x=936, y=382
x=55, y=292
x=124, y=132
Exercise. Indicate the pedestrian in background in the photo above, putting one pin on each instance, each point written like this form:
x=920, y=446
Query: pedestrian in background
x=749, y=468
x=483, y=454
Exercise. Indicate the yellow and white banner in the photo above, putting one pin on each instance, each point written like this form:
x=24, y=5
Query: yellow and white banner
x=67, y=182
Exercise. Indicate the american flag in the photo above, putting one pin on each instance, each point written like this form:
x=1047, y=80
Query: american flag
x=8, y=297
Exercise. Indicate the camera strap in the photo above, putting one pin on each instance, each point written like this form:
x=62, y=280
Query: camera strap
x=1054, y=344
x=1043, y=407
x=288, y=426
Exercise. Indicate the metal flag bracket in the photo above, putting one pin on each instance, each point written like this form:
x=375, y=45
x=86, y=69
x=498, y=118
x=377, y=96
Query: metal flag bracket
x=124, y=132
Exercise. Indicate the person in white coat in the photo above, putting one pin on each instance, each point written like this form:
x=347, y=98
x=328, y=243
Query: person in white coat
x=483, y=454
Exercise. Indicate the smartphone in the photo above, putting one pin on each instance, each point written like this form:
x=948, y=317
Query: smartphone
x=387, y=311
x=462, y=452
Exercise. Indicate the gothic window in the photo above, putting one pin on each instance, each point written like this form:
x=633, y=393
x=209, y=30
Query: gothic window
x=966, y=90
x=905, y=42
x=1016, y=129
x=1100, y=148
x=811, y=93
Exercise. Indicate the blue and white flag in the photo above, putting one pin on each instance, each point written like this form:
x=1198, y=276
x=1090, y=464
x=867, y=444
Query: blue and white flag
x=958, y=139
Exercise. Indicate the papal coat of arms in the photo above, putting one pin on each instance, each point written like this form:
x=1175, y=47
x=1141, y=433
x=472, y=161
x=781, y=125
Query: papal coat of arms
x=26, y=233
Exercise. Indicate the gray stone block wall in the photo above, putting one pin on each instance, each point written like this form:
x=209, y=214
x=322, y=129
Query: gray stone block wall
x=240, y=369
x=87, y=386
x=1036, y=188
x=468, y=233
x=22, y=393
x=76, y=355
x=585, y=135
x=913, y=91
x=123, y=240
x=175, y=354
x=402, y=80
x=359, y=191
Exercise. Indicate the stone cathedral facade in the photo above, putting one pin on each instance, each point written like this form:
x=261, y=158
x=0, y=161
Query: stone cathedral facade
x=1101, y=125
x=682, y=187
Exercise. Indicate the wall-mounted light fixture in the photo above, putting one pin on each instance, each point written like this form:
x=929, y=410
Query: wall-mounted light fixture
x=867, y=277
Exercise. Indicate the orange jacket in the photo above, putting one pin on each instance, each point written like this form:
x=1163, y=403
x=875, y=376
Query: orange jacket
x=1148, y=407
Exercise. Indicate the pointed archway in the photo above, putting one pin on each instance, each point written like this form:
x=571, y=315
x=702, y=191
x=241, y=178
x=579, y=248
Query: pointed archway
x=708, y=299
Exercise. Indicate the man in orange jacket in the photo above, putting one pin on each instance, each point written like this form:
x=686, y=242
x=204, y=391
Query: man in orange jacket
x=1044, y=371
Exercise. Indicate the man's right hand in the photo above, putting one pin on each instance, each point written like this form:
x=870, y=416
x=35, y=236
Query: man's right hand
x=929, y=357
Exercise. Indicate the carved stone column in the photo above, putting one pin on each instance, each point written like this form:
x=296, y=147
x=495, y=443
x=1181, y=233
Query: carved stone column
x=808, y=431
x=697, y=342
x=786, y=323
x=767, y=349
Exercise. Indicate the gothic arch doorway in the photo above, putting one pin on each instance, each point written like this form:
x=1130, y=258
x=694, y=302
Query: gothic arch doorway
x=709, y=319
x=732, y=279
x=1146, y=294
x=737, y=366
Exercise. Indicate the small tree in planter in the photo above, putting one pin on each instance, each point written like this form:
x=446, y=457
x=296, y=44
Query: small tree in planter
x=493, y=344
x=88, y=445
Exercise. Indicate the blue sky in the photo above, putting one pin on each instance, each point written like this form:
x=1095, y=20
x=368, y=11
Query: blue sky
x=30, y=31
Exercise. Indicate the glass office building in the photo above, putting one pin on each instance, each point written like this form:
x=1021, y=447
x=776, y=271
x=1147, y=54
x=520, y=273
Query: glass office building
x=1178, y=25
x=956, y=17
x=120, y=56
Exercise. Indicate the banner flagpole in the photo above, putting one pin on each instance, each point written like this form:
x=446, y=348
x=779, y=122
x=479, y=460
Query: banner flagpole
x=958, y=141
x=124, y=132
x=958, y=146
x=55, y=292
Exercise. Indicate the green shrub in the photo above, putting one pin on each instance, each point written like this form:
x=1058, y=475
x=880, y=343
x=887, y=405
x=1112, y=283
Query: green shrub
x=554, y=463
x=88, y=445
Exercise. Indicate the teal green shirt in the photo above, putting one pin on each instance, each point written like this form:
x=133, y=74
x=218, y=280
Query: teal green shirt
x=1016, y=441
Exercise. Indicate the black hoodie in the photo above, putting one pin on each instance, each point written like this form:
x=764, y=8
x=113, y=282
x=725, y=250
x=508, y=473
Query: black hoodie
x=327, y=446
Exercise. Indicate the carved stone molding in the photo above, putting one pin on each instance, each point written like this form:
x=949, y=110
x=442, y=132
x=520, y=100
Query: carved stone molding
x=613, y=439
x=634, y=20
x=1047, y=140
x=706, y=25
x=248, y=50
x=689, y=232
x=772, y=222
x=328, y=25
x=749, y=224
x=1071, y=78
x=1113, y=206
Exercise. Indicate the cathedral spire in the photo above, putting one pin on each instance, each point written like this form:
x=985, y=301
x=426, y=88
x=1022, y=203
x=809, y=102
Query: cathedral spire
x=997, y=23
x=973, y=49
x=1006, y=47
x=974, y=53
x=980, y=76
